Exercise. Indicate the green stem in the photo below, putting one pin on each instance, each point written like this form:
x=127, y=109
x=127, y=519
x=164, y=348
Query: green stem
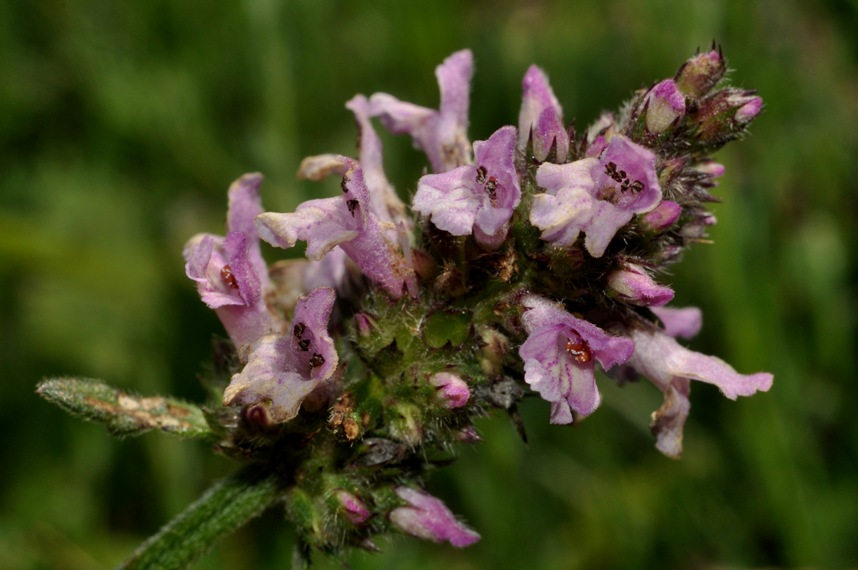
x=225, y=507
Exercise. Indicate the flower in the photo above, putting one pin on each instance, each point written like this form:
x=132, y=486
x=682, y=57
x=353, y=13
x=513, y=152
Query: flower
x=596, y=196
x=352, y=507
x=670, y=367
x=559, y=357
x=541, y=117
x=441, y=134
x=428, y=518
x=475, y=198
x=453, y=392
x=347, y=222
x=665, y=106
x=283, y=369
x=634, y=285
x=230, y=272
x=701, y=73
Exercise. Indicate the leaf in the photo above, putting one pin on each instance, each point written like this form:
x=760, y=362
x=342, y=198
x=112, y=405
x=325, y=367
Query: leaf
x=122, y=413
x=228, y=505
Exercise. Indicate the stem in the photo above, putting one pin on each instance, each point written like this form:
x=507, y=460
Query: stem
x=225, y=507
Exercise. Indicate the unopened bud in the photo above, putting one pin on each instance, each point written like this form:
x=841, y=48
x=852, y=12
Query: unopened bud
x=749, y=110
x=661, y=218
x=428, y=518
x=665, y=105
x=453, y=392
x=352, y=507
x=701, y=73
x=634, y=285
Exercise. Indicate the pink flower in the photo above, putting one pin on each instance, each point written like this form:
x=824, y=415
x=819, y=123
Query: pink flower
x=477, y=199
x=441, y=134
x=560, y=356
x=428, y=518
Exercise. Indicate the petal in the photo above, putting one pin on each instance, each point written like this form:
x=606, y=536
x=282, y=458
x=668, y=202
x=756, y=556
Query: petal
x=577, y=174
x=454, y=80
x=449, y=198
x=322, y=223
x=428, y=518
x=497, y=157
x=542, y=116
x=562, y=216
x=383, y=200
x=668, y=421
x=661, y=359
x=683, y=322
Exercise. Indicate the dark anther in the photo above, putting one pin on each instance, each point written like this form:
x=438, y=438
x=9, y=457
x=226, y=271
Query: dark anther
x=304, y=345
x=316, y=360
x=352, y=204
x=491, y=187
x=227, y=275
x=343, y=184
x=298, y=329
x=637, y=186
x=481, y=175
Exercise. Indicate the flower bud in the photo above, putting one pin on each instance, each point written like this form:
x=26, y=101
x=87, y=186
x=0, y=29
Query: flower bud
x=494, y=350
x=364, y=325
x=428, y=518
x=661, y=218
x=701, y=73
x=352, y=508
x=633, y=285
x=665, y=105
x=724, y=114
x=749, y=110
x=405, y=425
x=453, y=392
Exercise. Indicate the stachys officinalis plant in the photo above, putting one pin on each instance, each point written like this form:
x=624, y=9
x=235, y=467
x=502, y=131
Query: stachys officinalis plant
x=524, y=264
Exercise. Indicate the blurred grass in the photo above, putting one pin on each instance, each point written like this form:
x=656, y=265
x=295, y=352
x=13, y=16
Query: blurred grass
x=122, y=125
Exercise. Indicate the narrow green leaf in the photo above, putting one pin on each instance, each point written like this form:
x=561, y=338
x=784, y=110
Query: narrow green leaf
x=122, y=413
x=225, y=507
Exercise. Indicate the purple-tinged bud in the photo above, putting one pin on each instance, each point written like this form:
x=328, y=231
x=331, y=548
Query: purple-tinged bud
x=453, y=392
x=747, y=112
x=696, y=228
x=428, y=518
x=710, y=168
x=701, y=73
x=468, y=434
x=633, y=285
x=665, y=106
x=661, y=218
x=352, y=508
x=364, y=325
x=724, y=114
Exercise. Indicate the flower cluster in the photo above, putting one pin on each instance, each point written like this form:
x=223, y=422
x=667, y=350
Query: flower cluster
x=531, y=260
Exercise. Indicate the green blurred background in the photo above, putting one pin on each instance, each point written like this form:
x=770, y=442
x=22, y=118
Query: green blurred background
x=123, y=123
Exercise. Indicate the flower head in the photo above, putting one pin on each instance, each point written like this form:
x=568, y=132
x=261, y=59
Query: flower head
x=441, y=134
x=478, y=198
x=560, y=356
x=428, y=518
x=282, y=370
